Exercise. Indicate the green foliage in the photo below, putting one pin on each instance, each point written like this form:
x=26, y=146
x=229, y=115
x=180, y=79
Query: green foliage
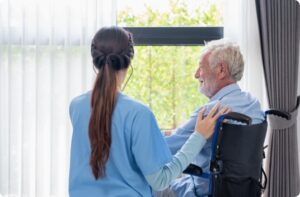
x=163, y=75
x=212, y=17
x=178, y=13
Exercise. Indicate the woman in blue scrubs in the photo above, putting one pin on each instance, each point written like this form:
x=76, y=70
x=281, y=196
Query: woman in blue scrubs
x=117, y=147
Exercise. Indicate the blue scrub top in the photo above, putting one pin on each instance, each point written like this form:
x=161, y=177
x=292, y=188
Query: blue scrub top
x=138, y=149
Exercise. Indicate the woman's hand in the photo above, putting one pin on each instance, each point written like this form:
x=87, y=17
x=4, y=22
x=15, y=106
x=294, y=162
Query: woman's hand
x=205, y=126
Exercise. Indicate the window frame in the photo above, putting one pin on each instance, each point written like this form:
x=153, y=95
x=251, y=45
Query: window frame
x=175, y=36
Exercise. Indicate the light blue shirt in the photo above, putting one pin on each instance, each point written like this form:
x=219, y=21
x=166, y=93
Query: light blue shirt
x=238, y=101
x=137, y=150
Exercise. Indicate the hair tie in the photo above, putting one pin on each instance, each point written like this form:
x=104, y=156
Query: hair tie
x=115, y=61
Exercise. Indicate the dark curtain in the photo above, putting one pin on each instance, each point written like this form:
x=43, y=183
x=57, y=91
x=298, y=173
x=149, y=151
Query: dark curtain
x=279, y=27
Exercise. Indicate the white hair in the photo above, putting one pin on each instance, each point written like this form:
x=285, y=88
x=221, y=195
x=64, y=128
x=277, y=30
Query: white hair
x=228, y=52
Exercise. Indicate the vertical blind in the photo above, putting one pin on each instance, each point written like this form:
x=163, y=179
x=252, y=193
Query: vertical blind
x=44, y=63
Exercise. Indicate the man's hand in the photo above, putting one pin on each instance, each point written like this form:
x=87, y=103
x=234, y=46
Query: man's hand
x=205, y=126
x=167, y=132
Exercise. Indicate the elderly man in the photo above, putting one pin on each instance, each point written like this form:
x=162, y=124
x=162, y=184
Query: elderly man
x=221, y=66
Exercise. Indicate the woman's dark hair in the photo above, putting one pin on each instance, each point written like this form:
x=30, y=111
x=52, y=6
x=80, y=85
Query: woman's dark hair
x=112, y=50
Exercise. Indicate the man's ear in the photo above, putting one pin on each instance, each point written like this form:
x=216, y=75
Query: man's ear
x=223, y=70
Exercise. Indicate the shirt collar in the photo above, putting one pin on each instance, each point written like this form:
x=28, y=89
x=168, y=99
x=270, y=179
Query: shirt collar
x=224, y=91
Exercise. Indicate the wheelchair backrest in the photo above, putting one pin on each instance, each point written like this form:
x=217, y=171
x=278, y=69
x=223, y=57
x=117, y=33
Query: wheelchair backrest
x=240, y=147
x=237, y=154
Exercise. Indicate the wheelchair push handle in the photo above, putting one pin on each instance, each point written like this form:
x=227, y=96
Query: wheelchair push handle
x=238, y=117
x=279, y=113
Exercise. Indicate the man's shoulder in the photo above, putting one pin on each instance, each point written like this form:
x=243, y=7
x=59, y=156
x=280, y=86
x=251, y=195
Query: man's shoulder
x=245, y=103
x=242, y=102
x=208, y=106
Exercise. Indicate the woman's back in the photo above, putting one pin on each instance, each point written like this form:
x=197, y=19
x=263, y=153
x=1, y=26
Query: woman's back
x=117, y=147
x=137, y=149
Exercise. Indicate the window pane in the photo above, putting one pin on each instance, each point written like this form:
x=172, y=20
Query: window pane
x=163, y=78
x=150, y=13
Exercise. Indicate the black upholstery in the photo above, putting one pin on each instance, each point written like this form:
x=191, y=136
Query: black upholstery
x=237, y=154
x=241, y=149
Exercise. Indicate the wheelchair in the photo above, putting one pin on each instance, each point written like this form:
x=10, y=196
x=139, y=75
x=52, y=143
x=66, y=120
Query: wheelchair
x=237, y=152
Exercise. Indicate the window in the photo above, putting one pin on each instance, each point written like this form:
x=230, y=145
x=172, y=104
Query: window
x=168, y=36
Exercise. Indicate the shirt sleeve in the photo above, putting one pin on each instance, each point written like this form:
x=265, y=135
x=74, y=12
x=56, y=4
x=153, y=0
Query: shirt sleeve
x=149, y=148
x=162, y=178
x=72, y=112
x=181, y=134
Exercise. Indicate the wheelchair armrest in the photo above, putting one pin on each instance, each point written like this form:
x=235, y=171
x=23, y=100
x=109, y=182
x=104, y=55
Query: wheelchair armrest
x=279, y=113
x=193, y=169
x=238, y=117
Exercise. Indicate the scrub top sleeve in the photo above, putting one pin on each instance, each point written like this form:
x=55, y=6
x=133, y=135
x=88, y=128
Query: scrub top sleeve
x=148, y=145
x=73, y=113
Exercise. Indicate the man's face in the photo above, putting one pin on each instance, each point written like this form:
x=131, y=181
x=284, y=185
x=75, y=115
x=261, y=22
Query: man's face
x=207, y=77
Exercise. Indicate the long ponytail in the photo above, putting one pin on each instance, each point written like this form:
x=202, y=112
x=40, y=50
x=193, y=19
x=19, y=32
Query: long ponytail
x=112, y=50
x=102, y=105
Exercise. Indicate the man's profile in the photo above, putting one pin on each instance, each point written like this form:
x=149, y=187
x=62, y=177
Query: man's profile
x=221, y=66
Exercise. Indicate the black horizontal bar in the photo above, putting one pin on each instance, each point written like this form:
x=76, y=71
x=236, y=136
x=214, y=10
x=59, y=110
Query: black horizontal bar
x=174, y=35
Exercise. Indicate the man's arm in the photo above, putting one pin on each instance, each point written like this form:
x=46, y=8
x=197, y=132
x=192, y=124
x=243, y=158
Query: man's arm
x=181, y=134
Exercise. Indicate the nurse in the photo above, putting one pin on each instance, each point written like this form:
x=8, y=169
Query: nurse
x=117, y=147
